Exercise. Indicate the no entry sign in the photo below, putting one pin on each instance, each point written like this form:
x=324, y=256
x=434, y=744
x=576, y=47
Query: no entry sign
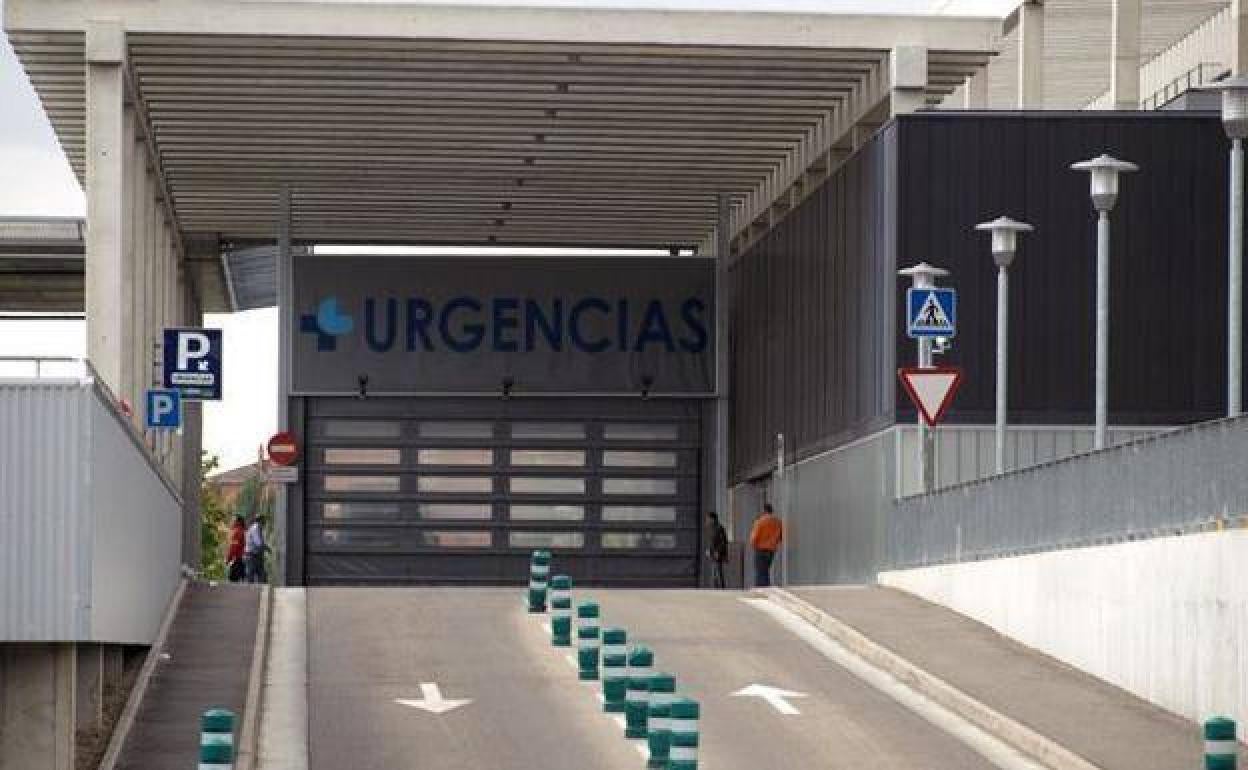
x=282, y=449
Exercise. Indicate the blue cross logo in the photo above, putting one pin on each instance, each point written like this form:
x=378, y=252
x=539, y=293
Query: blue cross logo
x=327, y=323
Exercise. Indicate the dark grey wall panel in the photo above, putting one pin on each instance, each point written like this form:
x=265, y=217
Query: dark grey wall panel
x=1168, y=298
x=812, y=324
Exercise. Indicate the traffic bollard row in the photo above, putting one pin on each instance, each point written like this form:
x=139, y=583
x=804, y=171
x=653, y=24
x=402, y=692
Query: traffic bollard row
x=683, y=722
x=636, y=700
x=652, y=711
x=658, y=724
x=614, y=670
x=561, y=611
x=539, y=573
x=587, y=634
x=1221, y=746
x=216, y=740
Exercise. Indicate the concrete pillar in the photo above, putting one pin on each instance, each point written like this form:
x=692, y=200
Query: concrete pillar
x=139, y=255
x=38, y=706
x=1239, y=36
x=109, y=338
x=907, y=68
x=1031, y=55
x=1124, y=73
x=192, y=445
x=723, y=365
x=975, y=91
x=89, y=696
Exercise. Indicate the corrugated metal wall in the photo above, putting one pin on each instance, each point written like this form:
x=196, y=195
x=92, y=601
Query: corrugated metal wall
x=815, y=333
x=1168, y=300
x=90, y=533
x=45, y=540
x=813, y=320
x=136, y=519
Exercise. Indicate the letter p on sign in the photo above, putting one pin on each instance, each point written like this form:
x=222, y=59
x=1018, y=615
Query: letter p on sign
x=164, y=409
x=192, y=345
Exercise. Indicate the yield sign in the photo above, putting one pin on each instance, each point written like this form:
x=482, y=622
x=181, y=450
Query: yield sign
x=931, y=389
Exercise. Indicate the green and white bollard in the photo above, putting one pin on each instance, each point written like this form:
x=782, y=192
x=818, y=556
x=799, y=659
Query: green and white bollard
x=1221, y=746
x=587, y=635
x=636, y=700
x=614, y=670
x=658, y=719
x=539, y=574
x=216, y=740
x=561, y=611
x=683, y=722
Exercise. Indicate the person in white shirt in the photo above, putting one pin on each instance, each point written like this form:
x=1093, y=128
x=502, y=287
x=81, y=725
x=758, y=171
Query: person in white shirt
x=254, y=551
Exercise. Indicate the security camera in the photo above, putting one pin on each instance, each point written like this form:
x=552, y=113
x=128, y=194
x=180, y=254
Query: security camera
x=508, y=384
x=647, y=382
x=362, y=380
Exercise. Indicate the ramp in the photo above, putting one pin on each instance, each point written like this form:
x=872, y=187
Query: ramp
x=1106, y=726
x=209, y=651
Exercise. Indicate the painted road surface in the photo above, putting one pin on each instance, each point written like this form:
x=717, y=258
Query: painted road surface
x=769, y=698
x=368, y=648
x=717, y=645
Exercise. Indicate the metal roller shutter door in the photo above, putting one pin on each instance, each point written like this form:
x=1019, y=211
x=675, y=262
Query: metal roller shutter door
x=461, y=491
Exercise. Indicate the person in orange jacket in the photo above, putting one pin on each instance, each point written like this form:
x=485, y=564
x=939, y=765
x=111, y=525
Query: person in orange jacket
x=765, y=538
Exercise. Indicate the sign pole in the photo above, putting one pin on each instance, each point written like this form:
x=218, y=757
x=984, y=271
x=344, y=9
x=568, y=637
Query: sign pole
x=923, y=276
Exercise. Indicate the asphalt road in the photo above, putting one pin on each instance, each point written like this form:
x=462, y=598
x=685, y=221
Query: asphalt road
x=715, y=644
x=369, y=647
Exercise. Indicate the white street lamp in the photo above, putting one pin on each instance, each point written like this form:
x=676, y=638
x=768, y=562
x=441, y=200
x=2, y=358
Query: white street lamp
x=923, y=276
x=1104, y=172
x=1235, y=121
x=1004, y=247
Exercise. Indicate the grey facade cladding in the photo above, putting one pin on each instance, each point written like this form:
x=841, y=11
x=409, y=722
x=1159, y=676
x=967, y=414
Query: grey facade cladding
x=816, y=333
x=813, y=315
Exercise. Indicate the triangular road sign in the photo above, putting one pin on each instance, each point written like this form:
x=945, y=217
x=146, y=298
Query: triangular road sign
x=931, y=389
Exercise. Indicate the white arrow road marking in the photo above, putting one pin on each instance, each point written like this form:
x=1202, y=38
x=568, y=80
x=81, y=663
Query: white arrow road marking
x=433, y=702
x=775, y=696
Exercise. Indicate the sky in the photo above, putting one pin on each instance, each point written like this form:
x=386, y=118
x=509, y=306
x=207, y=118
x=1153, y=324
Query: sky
x=35, y=180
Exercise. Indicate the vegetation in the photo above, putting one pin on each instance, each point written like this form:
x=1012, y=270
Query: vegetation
x=214, y=522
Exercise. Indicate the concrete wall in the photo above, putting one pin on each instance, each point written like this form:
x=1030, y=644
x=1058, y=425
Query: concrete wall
x=1166, y=619
x=37, y=704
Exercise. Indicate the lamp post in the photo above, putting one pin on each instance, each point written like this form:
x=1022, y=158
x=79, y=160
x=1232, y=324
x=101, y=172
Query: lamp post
x=1004, y=247
x=1104, y=172
x=1235, y=121
x=923, y=276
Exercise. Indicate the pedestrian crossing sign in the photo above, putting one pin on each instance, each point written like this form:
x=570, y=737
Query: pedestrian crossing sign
x=931, y=312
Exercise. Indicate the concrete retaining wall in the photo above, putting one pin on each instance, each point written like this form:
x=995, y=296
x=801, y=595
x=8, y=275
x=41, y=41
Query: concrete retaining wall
x=1166, y=618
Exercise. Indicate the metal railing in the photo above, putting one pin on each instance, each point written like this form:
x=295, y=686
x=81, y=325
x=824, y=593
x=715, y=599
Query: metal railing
x=1202, y=73
x=1188, y=480
x=41, y=367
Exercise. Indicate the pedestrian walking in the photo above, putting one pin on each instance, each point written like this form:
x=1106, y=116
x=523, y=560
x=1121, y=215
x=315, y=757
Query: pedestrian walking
x=235, y=567
x=718, y=550
x=255, y=550
x=765, y=538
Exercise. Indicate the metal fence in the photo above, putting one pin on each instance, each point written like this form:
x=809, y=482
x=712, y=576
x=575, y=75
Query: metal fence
x=1184, y=481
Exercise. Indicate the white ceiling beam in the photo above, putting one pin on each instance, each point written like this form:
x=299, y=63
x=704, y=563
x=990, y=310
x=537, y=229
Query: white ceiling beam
x=510, y=23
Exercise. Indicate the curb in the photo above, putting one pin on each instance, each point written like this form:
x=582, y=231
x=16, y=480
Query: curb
x=121, y=730
x=1000, y=726
x=249, y=731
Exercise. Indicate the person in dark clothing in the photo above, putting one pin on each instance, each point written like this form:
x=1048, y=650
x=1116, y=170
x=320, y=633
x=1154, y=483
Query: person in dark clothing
x=718, y=550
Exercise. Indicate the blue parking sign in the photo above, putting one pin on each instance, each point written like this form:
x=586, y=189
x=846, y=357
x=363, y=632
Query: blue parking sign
x=192, y=363
x=931, y=312
x=164, y=409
